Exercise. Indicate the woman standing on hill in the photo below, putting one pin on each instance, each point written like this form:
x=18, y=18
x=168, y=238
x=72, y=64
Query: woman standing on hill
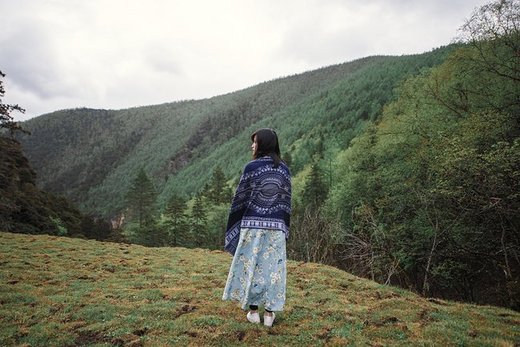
x=257, y=229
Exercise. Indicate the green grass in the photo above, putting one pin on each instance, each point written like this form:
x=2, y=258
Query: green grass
x=71, y=292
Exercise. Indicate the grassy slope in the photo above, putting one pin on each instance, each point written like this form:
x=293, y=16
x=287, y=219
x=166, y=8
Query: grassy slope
x=64, y=291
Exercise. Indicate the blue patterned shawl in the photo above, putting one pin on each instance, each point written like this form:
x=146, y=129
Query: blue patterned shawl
x=262, y=200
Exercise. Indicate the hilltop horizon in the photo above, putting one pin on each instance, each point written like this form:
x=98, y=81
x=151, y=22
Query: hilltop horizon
x=224, y=93
x=114, y=56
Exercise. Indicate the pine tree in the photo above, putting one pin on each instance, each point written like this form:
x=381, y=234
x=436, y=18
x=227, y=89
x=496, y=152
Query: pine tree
x=315, y=191
x=176, y=222
x=219, y=192
x=199, y=217
x=141, y=202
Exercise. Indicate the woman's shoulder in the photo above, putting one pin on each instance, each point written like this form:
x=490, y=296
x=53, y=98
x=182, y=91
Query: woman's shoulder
x=267, y=161
x=256, y=163
x=284, y=165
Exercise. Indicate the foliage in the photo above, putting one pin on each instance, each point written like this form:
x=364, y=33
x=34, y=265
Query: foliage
x=217, y=222
x=150, y=234
x=315, y=191
x=141, y=200
x=201, y=225
x=6, y=119
x=61, y=230
x=143, y=225
x=219, y=191
x=199, y=220
x=313, y=238
x=429, y=195
x=95, y=227
x=176, y=222
x=24, y=207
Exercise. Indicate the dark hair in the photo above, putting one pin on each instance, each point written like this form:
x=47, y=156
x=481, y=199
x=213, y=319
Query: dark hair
x=267, y=144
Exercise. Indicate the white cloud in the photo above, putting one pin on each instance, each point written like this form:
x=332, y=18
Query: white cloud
x=116, y=54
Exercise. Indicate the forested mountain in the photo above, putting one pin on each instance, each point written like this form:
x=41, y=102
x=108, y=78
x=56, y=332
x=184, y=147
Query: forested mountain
x=90, y=155
x=405, y=169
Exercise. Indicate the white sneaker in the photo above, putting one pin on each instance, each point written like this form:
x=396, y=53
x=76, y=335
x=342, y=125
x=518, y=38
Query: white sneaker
x=268, y=320
x=253, y=317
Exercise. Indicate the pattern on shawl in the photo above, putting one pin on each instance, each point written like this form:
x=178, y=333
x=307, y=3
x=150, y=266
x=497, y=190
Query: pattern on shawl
x=262, y=200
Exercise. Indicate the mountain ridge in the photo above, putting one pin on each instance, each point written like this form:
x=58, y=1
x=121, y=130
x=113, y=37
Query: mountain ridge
x=89, y=155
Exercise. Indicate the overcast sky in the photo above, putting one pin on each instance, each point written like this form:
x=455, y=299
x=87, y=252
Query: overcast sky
x=121, y=53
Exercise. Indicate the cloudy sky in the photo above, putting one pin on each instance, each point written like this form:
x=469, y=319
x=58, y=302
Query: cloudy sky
x=121, y=53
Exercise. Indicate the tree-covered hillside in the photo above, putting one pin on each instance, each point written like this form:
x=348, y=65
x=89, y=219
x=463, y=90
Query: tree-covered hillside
x=24, y=208
x=429, y=196
x=91, y=155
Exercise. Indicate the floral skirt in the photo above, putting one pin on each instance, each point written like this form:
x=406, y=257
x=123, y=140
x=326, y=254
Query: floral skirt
x=258, y=271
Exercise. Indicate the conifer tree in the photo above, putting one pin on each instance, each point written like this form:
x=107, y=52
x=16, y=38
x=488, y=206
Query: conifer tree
x=199, y=217
x=176, y=222
x=219, y=192
x=141, y=200
x=315, y=191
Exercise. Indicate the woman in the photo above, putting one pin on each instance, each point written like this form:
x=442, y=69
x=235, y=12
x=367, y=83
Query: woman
x=257, y=230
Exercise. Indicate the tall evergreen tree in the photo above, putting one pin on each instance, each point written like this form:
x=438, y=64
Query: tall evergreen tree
x=141, y=200
x=176, y=221
x=142, y=208
x=219, y=192
x=199, y=218
x=316, y=190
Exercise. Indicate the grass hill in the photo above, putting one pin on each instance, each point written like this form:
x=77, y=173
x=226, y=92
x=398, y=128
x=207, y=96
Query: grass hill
x=72, y=292
x=91, y=156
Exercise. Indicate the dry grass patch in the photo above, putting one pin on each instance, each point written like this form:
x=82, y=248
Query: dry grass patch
x=71, y=292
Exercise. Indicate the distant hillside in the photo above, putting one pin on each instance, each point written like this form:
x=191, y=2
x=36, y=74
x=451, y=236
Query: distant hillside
x=91, y=155
x=71, y=292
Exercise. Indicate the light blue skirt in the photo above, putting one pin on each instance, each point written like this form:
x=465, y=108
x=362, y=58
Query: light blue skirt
x=258, y=271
